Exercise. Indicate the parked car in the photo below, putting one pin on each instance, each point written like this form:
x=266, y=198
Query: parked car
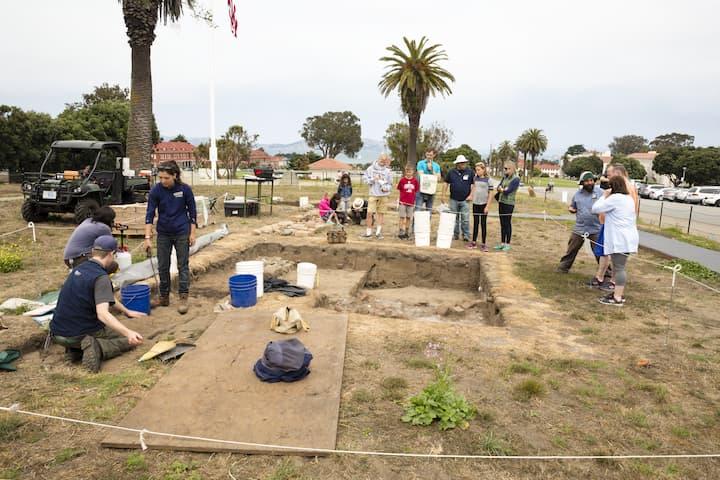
x=675, y=196
x=663, y=194
x=651, y=191
x=697, y=196
x=681, y=196
x=712, y=197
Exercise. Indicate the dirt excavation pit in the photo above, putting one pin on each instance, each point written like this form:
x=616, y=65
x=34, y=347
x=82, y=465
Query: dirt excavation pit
x=385, y=282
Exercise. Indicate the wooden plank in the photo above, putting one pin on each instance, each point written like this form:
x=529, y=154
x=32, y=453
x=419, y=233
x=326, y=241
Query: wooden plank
x=212, y=391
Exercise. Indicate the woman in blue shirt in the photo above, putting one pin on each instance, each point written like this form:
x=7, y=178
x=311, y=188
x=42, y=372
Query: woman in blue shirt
x=177, y=220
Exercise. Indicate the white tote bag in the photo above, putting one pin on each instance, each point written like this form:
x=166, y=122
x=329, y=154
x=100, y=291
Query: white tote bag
x=428, y=184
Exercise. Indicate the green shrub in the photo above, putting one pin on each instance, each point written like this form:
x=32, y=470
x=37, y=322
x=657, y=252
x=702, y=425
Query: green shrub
x=10, y=258
x=439, y=401
x=695, y=270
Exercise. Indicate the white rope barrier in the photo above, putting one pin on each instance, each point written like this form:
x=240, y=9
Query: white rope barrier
x=143, y=433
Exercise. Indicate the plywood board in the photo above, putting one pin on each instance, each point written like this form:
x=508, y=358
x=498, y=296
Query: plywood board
x=212, y=392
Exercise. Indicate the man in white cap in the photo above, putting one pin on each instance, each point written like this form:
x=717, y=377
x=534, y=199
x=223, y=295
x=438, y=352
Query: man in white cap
x=460, y=179
x=358, y=211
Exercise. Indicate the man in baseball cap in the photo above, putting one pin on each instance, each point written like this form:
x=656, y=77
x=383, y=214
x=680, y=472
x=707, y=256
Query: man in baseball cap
x=82, y=322
x=460, y=180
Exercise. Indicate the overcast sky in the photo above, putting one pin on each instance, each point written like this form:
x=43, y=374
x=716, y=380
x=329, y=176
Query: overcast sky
x=581, y=71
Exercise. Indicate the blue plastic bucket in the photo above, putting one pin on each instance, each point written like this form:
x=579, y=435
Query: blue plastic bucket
x=136, y=297
x=243, y=290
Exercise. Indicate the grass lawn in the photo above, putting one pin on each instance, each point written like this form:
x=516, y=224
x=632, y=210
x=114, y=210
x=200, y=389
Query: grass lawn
x=678, y=234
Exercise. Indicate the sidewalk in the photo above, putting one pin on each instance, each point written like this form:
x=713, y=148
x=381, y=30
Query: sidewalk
x=663, y=245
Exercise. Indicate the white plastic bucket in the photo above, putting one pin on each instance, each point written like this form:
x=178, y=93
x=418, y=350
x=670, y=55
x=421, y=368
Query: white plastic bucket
x=124, y=260
x=306, y=273
x=444, y=241
x=253, y=267
x=447, y=220
x=304, y=201
x=421, y=222
x=422, y=239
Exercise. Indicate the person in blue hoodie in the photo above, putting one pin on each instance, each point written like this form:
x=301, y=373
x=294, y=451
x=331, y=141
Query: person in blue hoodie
x=177, y=220
x=345, y=190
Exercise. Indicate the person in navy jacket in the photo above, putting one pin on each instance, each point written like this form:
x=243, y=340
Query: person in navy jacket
x=177, y=220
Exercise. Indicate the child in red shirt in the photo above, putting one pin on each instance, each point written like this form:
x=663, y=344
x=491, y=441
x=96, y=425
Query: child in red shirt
x=408, y=187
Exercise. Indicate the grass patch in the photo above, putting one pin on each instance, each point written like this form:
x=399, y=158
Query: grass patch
x=285, y=471
x=362, y=396
x=394, y=388
x=67, y=454
x=524, y=368
x=575, y=364
x=492, y=445
x=11, y=259
x=104, y=386
x=637, y=419
x=135, y=462
x=658, y=391
x=370, y=364
x=695, y=270
x=9, y=426
x=420, y=362
x=528, y=389
x=681, y=432
x=180, y=470
x=10, y=473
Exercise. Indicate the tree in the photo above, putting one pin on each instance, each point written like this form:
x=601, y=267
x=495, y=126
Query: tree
x=627, y=144
x=633, y=166
x=575, y=168
x=575, y=150
x=670, y=140
x=506, y=153
x=333, y=133
x=397, y=136
x=103, y=93
x=202, y=154
x=179, y=138
x=25, y=137
x=702, y=165
x=531, y=142
x=447, y=158
x=300, y=161
x=234, y=148
x=141, y=17
x=415, y=75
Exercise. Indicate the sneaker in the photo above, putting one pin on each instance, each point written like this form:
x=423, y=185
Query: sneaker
x=594, y=283
x=466, y=239
x=611, y=300
x=607, y=286
x=379, y=236
x=506, y=248
x=471, y=245
x=366, y=235
x=92, y=354
x=484, y=248
x=456, y=237
x=498, y=247
x=183, y=305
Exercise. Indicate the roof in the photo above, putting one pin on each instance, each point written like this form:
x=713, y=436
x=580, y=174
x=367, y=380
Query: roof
x=548, y=166
x=173, y=147
x=259, y=154
x=85, y=144
x=643, y=155
x=329, y=164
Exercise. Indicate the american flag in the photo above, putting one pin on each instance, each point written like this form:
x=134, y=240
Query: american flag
x=233, y=20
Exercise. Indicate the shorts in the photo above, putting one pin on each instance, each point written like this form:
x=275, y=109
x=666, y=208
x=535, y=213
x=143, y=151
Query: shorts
x=406, y=211
x=377, y=205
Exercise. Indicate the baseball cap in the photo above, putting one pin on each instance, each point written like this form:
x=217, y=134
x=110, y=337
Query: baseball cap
x=587, y=175
x=106, y=243
x=460, y=159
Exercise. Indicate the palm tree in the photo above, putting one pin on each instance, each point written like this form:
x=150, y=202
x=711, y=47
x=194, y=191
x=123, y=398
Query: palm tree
x=506, y=152
x=415, y=74
x=521, y=146
x=141, y=17
x=535, y=143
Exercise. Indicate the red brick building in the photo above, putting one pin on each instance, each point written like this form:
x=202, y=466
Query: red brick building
x=182, y=152
x=259, y=157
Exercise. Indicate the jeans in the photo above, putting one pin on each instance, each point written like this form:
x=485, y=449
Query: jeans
x=182, y=250
x=462, y=220
x=505, y=211
x=424, y=202
x=479, y=218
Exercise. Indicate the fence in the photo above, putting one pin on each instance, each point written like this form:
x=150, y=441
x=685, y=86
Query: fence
x=692, y=219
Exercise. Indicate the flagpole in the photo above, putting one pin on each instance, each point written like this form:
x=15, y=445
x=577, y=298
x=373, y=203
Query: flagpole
x=213, y=145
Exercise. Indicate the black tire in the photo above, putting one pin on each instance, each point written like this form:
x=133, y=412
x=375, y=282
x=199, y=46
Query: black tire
x=31, y=212
x=717, y=204
x=84, y=209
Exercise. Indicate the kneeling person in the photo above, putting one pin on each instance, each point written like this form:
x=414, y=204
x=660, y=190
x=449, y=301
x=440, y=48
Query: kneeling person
x=82, y=322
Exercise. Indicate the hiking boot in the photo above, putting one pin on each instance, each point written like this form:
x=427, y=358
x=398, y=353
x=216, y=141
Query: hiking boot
x=91, y=354
x=161, y=301
x=183, y=306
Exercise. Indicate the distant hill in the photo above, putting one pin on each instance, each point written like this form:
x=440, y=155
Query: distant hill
x=370, y=151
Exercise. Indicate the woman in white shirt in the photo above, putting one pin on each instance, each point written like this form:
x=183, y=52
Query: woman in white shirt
x=621, y=235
